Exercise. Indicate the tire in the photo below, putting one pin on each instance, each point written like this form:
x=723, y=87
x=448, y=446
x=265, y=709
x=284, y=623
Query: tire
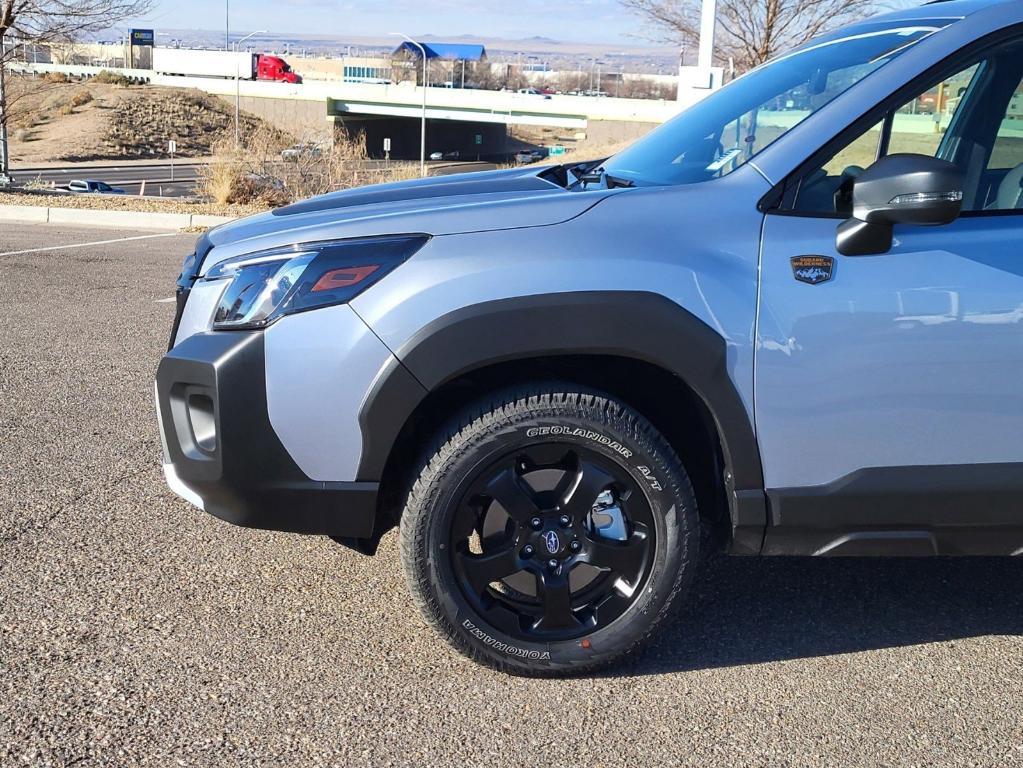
x=590, y=590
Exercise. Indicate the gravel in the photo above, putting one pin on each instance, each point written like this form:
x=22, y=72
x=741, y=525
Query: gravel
x=136, y=630
x=125, y=203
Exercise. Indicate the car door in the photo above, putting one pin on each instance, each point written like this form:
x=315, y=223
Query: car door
x=888, y=396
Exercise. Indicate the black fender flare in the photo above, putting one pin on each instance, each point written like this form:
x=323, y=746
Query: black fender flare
x=631, y=324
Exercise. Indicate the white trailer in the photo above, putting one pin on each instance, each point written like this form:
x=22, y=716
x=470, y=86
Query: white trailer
x=196, y=63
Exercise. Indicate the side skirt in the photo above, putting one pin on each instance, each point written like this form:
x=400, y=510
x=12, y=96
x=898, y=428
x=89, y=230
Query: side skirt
x=973, y=509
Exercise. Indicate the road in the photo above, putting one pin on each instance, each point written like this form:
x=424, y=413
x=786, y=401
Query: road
x=157, y=177
x=137, y=630
x=128, y=177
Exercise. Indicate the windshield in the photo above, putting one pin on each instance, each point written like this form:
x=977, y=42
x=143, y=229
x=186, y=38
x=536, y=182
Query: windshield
x=728, y=128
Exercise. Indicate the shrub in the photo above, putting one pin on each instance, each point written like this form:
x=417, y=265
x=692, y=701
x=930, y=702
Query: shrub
x=77, y=99
x=55, y=77
x=256, y=172
x=80, y=98
x=37, y=183
x=111, y=78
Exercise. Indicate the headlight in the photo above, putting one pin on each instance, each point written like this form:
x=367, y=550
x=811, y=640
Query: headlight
x=270, y=284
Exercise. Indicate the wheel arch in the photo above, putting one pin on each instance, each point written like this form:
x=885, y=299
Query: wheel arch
x=602, y=340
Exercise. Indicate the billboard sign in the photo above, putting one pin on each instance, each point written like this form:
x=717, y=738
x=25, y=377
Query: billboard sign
x=143, y=37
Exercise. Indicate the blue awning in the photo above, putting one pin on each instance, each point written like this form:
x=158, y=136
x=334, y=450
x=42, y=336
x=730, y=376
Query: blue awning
x=455, y=51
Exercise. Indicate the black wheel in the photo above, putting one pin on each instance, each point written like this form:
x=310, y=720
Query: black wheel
x=549, y=532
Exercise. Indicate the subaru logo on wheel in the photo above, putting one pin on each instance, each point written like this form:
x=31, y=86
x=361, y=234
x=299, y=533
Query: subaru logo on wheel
x=552, y=541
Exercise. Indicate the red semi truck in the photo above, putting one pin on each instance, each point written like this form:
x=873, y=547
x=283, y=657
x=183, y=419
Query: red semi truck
x=225, y=64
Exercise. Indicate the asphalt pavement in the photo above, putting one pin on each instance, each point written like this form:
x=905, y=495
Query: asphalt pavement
x=137, y=630
x=160, y=179
x=163, y=180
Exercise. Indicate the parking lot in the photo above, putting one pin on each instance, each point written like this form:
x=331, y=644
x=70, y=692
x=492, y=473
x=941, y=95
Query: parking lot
x=135, y=629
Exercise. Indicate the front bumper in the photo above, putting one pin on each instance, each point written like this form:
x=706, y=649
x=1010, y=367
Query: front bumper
x=222, y=454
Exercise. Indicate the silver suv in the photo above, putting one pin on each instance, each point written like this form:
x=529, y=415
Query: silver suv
x=785, y=323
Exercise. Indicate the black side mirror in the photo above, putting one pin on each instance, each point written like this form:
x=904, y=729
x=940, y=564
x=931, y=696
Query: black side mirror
x=900, y=189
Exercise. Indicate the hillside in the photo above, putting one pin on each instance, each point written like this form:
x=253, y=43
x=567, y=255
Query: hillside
x=82, y=121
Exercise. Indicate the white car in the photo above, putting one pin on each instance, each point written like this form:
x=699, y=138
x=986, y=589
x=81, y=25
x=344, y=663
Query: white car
x=93, y=187
x=298, y=151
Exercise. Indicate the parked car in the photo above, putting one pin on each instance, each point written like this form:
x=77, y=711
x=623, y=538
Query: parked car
x=94, y=187
x=567, y=386
x=526, y=156
x=302, y=151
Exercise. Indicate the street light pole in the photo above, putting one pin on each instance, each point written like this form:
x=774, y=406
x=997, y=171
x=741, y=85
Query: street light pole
x=227, y=25
x=422, y=134
x=5, y=158
x=238, y=88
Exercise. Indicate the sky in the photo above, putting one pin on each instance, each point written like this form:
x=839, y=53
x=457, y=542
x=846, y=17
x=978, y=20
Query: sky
x=568, y=20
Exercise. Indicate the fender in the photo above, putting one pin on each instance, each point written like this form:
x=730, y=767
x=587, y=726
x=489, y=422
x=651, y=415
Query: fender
x=632, y=324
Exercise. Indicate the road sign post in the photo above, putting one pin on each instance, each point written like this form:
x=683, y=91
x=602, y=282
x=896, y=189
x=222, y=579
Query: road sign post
x=172, y=147
x=387, y=150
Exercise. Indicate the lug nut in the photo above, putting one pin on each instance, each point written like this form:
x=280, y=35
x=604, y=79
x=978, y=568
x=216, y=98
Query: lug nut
x=565, y=521
x=536, y=523
x=527, y=551
x=575, y=546
x=552, y=564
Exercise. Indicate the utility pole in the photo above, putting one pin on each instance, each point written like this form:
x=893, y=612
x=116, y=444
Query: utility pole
x=227, y=25
x=422, y=133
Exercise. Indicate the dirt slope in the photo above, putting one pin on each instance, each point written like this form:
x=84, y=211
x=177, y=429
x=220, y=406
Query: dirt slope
x=98, y=121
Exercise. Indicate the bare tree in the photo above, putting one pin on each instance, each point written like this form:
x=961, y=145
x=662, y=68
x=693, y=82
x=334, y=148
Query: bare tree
x=749, y=31
x=36, y=22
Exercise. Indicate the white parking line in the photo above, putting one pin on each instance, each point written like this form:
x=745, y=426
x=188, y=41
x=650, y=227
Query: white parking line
x=86, y=245
x=167, y=300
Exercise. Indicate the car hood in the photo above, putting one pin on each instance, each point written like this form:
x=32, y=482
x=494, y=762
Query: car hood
x=446, y=205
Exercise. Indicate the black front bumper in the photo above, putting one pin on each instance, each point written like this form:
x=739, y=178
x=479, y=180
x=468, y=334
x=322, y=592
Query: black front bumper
x=211, y=392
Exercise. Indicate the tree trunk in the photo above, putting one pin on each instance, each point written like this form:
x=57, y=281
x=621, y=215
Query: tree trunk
x=5, y=169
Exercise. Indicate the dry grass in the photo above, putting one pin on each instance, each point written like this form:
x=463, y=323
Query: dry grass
x=78, y=99
x=257, y=173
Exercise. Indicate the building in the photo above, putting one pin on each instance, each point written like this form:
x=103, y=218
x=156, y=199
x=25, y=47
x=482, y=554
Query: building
x=451, y=64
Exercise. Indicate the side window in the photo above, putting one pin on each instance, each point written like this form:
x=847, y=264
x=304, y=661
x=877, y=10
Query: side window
x=1008, y=150
x=918, y=127
x=858, y=155
x=973, y=118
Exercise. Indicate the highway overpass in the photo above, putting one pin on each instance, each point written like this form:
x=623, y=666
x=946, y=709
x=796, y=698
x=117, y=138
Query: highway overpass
x=315, y=105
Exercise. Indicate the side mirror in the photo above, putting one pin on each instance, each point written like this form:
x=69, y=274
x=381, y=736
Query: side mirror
x=900, y=189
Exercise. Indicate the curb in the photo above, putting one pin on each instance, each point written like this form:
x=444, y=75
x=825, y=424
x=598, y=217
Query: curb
x=38, y=214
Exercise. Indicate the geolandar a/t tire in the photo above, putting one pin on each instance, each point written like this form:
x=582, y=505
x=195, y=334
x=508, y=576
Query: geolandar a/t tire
x=549, y=532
